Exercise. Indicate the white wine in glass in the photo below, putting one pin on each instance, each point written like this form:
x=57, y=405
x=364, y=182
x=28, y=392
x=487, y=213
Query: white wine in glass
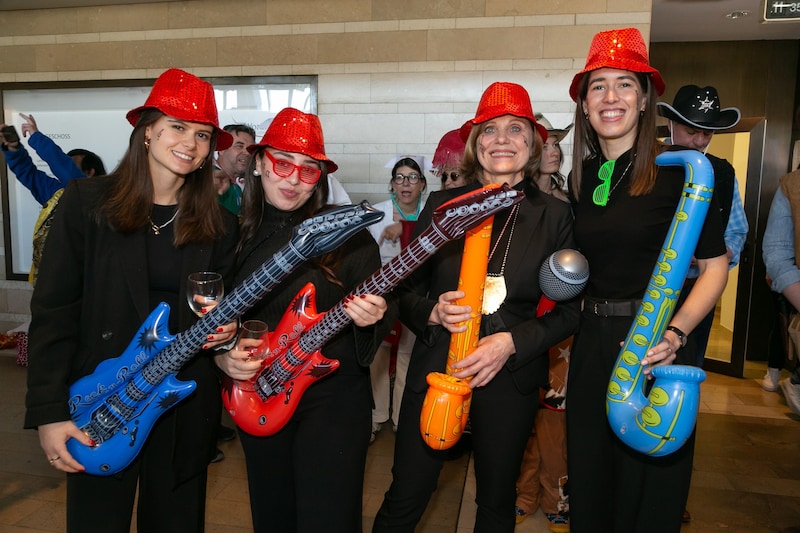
x=204, y=289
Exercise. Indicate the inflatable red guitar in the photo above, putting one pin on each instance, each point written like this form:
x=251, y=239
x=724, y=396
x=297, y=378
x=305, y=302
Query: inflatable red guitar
x=262, y=406
x=119, y=403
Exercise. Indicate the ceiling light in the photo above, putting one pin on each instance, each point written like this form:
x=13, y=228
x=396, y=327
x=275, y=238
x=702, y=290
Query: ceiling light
x=733, y=15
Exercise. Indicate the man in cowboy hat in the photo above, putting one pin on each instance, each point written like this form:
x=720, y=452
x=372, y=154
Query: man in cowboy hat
x=694, y=116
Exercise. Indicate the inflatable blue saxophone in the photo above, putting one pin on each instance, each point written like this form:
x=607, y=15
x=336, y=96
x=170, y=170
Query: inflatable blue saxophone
x=660, y=422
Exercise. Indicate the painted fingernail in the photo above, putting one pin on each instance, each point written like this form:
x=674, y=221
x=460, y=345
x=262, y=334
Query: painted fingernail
x=92, y=443
x=203, y=310
x=363, y=295
x=205, y=347
x=219, y=330
x=210, y=337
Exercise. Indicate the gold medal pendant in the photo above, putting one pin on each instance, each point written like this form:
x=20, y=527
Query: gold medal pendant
x=494, y=293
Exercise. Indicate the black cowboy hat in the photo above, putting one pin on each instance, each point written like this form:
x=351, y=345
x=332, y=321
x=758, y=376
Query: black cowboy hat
x=699, y=108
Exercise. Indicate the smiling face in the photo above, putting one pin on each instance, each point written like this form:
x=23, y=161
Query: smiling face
x=504, y=147
x=234, y=160
x=614, y=100
x=177, y=147
x=551, y=157
x=289, y=193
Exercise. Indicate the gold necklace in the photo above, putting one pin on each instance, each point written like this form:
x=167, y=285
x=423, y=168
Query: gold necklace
x=157, y=229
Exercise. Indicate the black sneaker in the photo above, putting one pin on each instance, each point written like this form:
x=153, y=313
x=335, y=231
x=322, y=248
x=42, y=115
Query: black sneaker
x=219, y=456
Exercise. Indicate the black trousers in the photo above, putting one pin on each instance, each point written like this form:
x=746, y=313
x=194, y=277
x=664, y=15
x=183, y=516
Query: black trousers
x=105, y=504
x=501, y=421
x=309, y=477
x=614, y=489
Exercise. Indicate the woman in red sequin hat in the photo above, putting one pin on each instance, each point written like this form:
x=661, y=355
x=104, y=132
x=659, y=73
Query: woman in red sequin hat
x=624, y=205
x=118, y=246
x=308, y=477
x=509, y=364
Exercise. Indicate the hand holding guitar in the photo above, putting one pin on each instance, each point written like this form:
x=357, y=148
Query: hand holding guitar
x=53, y=438
x=366, y=309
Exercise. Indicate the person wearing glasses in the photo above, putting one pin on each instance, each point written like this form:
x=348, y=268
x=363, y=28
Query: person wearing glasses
x=308, y=477
x=447, y=160
x=406, y=187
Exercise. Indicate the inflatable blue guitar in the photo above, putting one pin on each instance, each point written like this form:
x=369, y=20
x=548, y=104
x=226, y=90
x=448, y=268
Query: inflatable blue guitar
x=118, y=404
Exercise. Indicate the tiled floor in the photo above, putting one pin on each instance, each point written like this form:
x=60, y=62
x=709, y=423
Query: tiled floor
x=747, y=469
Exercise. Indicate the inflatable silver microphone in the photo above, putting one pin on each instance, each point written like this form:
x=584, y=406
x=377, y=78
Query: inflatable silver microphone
x=562, y=276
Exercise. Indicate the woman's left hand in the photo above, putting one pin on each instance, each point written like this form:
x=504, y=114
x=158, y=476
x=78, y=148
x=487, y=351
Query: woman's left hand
x=662, y=353
x=483, y=364
x=222, y=335
x=366, y=309
x=392, y=232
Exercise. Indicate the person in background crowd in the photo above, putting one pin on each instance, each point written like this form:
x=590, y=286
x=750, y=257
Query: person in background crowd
x=447, y=160
x=509, y=365
x=136, y=235
x=46, y=190
x=308, y=477
x=230, y=166
x=406, y=186
x=779, y=251
x=614, y=181
x=543, y=474
x=694, y=116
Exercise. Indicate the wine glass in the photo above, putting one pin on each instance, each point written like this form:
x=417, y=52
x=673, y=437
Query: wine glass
x=253, y=336
x=204, y=289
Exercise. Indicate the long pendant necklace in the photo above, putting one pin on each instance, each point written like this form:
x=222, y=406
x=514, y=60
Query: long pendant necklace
x=494, y=289
x=156, y=228
x=602, y=193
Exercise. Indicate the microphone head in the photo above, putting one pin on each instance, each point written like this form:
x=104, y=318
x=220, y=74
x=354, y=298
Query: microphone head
x=563, y=275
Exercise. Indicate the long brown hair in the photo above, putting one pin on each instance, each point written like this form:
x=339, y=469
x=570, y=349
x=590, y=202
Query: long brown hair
x=254, y=201
x=129, y=201
x=645, y=149
x=472, y=170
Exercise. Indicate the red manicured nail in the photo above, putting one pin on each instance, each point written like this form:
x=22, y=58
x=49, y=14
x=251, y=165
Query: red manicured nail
x=92, y=443
x=211, y=337
x=363, y=295
x=205, y=347
x=219, y=330
x=204, y=310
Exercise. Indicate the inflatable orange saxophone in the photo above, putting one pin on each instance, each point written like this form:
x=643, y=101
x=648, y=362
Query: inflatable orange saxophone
x=445, y=410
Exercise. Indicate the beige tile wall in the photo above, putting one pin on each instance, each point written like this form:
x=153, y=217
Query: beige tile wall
x=393, y=76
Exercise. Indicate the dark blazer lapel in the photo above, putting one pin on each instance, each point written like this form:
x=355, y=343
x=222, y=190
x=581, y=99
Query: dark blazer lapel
x=132, y=253
x=530, y=217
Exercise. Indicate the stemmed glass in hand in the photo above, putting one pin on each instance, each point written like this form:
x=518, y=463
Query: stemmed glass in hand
x=205, y=289
x=253, y=336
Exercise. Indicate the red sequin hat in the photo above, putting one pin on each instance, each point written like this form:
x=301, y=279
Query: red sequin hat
x=450, y=151
x=503, y=98
x=622, y=49
x=294, y=131
x=186, y=97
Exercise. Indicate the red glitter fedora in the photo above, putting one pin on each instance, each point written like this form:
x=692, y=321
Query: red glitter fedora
x=503, y=98
x=186, y=97
x=294, y=131
x=622, y=49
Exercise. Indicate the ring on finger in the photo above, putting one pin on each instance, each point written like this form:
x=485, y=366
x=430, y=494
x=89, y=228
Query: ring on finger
x=54, y=459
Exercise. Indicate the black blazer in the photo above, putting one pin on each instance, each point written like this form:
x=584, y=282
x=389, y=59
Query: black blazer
x=544, y=225
x=92, y=295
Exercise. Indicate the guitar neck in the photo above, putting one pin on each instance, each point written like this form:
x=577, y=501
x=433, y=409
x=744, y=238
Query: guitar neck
x=379, y=283
x=243, y=297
